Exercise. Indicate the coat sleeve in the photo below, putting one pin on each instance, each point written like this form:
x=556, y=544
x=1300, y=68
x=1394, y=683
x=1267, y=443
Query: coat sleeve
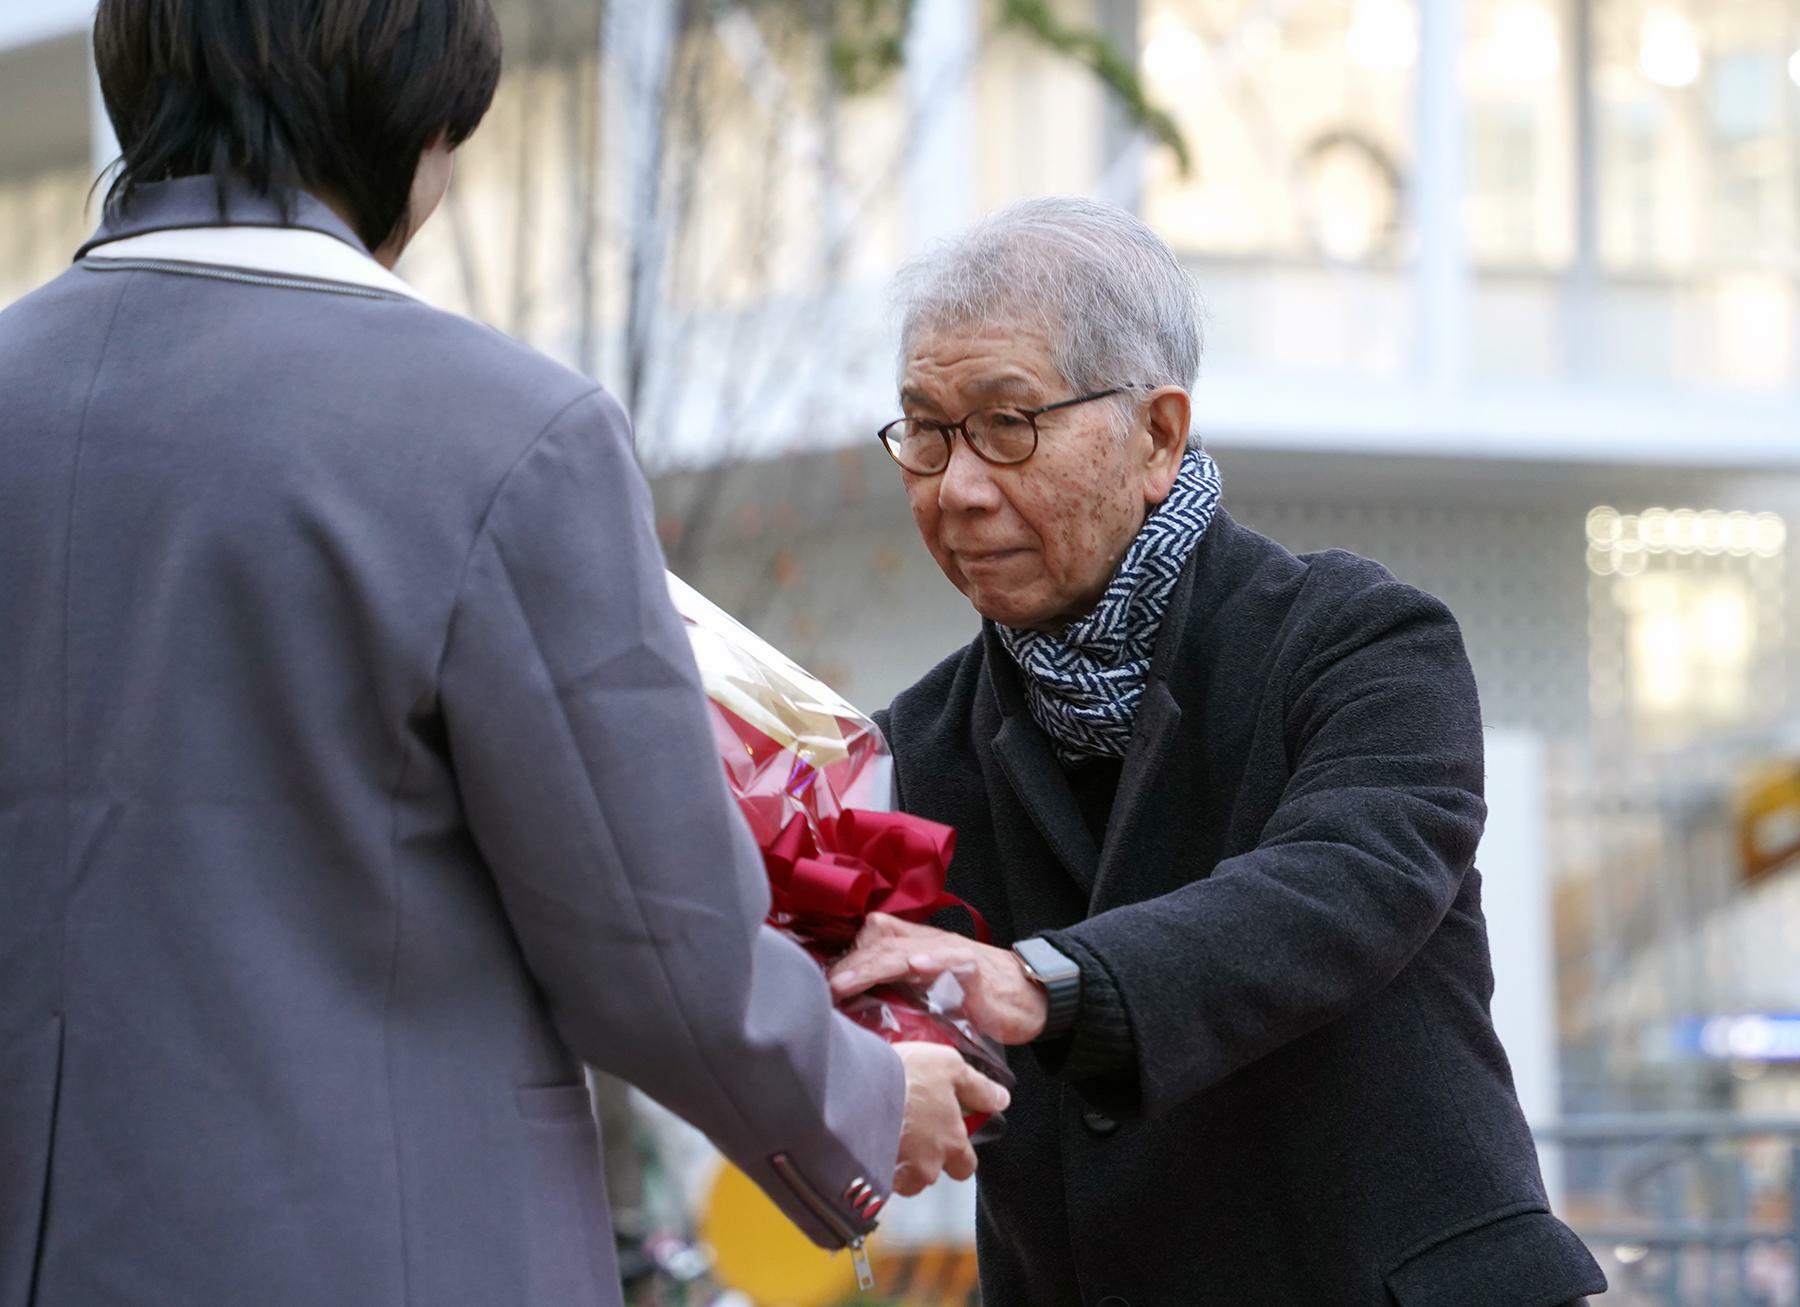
x=587, y=769
x=1360, y=861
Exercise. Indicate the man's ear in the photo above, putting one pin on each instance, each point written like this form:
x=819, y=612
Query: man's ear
x=1167, y=413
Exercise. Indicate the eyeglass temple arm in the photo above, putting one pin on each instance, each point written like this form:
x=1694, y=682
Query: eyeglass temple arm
x=1079, y=399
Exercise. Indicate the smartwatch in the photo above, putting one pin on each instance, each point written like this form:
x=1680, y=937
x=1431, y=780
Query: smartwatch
x=1060, y=977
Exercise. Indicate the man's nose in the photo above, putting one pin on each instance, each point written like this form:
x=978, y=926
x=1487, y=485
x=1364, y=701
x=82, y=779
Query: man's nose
x=966, y=483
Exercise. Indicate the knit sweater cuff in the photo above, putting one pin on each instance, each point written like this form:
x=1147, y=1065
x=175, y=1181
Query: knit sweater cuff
x=1099, y=1046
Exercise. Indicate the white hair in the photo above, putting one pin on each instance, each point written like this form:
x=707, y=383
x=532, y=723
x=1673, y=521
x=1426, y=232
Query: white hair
x=1115, y=303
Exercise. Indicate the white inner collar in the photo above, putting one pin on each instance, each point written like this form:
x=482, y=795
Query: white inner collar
x=279, y=251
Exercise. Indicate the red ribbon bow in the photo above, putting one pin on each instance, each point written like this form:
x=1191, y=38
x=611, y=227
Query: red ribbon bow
x=861, y=862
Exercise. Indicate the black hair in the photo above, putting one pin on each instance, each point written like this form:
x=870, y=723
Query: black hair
x=339, y=96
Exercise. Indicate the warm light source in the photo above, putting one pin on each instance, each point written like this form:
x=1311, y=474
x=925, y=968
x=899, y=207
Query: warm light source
x=1669, y=52
x=1690, y=644
x=1693, y=635
x=1383, y=35
x=1684, y=531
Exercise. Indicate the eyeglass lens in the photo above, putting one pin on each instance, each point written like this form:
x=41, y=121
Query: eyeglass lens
x=998, y=435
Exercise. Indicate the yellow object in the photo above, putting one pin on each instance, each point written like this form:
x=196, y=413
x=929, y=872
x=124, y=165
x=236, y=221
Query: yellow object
x=761, y=1254
x=1768, y=819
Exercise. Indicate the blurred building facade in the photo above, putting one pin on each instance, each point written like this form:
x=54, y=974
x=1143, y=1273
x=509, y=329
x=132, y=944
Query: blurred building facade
x=1503, y=293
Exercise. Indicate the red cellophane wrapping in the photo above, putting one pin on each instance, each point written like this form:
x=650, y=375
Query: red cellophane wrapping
x=815, y=780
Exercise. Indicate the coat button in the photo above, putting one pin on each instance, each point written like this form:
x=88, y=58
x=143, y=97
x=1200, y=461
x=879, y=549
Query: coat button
x=1101, y=1124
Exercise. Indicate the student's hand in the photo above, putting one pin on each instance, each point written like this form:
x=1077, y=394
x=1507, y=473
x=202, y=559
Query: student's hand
x=940, y=1089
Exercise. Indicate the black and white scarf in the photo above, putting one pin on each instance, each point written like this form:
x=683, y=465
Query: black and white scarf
x=1084, y=685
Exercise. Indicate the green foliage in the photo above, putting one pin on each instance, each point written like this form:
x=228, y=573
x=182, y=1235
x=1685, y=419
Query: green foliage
x=868, y=45
x=1101, y=56
x=868, y=41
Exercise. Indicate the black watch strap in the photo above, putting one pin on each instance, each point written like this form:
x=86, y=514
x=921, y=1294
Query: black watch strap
x=1060, y=976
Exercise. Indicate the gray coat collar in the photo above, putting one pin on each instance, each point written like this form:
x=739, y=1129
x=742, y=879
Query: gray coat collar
x=211, y=202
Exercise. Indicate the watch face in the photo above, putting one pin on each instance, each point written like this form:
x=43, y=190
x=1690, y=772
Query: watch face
x=1045, y=961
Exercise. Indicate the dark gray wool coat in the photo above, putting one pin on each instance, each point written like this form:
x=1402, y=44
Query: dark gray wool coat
x=1284, y=1087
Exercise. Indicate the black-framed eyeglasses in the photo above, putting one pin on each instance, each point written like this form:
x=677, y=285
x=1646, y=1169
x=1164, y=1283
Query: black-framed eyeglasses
x=1003, y=435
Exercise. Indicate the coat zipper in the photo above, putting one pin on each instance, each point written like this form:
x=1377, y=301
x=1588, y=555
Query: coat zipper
x=97, y=263
x=828, y=1213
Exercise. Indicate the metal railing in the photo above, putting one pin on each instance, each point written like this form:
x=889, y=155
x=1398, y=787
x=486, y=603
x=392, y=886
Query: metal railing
x=1685, y=1209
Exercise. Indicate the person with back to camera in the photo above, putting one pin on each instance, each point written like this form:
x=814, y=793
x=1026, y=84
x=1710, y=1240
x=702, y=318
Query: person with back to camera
x=356, y=784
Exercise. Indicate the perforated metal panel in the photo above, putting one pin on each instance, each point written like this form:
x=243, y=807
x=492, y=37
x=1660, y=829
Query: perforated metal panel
x=1513, y=576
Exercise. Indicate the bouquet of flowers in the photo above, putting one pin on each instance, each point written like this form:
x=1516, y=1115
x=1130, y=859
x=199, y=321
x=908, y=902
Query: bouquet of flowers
x=815, y=780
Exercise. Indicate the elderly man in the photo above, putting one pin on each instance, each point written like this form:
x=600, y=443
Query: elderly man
x=1221, y=802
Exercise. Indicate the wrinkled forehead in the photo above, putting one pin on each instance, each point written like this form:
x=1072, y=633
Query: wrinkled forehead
x=994, y=361
x=930, y=388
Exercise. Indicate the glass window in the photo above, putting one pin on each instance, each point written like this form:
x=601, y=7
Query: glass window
x=1699, y=133
x=1519, y=206
x=1300, y=119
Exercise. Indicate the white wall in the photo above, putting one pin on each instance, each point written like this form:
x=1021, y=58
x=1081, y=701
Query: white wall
x=26, y=22
x=1515, y=864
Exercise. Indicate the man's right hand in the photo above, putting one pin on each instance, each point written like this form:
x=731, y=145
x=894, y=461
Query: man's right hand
x=940, y=1089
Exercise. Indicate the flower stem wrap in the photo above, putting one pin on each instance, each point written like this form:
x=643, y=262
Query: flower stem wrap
x=814, y=779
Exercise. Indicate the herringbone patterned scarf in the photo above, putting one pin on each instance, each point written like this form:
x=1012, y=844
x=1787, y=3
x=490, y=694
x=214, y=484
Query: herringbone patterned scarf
x=1084, y=685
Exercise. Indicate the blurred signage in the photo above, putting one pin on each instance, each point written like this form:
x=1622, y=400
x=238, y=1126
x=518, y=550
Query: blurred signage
x=1768, y=819
x=1746, y=1037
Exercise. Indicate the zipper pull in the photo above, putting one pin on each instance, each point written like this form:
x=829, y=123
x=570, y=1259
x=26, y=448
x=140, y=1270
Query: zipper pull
x=859, y=1193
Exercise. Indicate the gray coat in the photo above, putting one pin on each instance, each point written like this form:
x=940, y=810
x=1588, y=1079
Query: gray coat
x=355, y=787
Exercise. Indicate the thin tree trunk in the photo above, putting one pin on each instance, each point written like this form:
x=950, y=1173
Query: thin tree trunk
x=524, y=163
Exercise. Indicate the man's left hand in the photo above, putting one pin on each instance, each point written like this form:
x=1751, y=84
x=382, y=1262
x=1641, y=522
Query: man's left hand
x=1001, y=1000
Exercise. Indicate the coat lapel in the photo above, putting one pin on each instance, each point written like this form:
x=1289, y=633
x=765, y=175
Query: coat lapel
x=1026, y=757
x=1156, y=783
x=1151, y=796
x=1152, y=740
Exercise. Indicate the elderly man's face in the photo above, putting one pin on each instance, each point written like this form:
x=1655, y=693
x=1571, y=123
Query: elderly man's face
x=1033, y=545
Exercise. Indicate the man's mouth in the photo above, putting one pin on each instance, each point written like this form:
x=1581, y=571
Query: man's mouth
x=985, y=557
